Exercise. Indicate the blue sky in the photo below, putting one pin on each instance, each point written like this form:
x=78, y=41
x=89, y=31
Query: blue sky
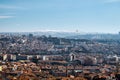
x=60, y=15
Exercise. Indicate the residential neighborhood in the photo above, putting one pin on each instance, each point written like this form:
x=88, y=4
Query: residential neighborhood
x=29, y=57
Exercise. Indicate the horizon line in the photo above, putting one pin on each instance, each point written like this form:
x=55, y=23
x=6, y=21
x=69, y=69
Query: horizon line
x=77, y=32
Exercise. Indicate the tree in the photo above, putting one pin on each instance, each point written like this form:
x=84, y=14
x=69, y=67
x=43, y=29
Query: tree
x=88, y=61
x=35, y=60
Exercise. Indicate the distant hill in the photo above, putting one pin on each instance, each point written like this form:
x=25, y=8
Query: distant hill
x=75, y=35
x=69, y=35
x=96, y=36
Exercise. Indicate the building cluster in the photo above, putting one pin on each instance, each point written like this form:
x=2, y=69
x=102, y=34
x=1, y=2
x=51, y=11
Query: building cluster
x=30, y=44
x=28, y=57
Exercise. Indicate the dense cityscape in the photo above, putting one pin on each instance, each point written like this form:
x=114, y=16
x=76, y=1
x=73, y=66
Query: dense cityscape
x=59, y=39
x=41, y=57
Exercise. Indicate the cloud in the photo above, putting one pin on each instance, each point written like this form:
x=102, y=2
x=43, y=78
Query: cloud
x=111, y=1
x=50, y=30
x=10, y=7
x=7, y=7
x=18, y=24
x=5, y=17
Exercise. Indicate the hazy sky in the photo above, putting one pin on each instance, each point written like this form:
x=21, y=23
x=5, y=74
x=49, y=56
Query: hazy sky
x=60, y=15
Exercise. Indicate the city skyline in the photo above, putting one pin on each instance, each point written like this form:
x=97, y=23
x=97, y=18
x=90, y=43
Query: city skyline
x=100, y=16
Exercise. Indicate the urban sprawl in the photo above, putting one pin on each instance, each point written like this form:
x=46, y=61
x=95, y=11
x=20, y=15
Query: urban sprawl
x=34, y=57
